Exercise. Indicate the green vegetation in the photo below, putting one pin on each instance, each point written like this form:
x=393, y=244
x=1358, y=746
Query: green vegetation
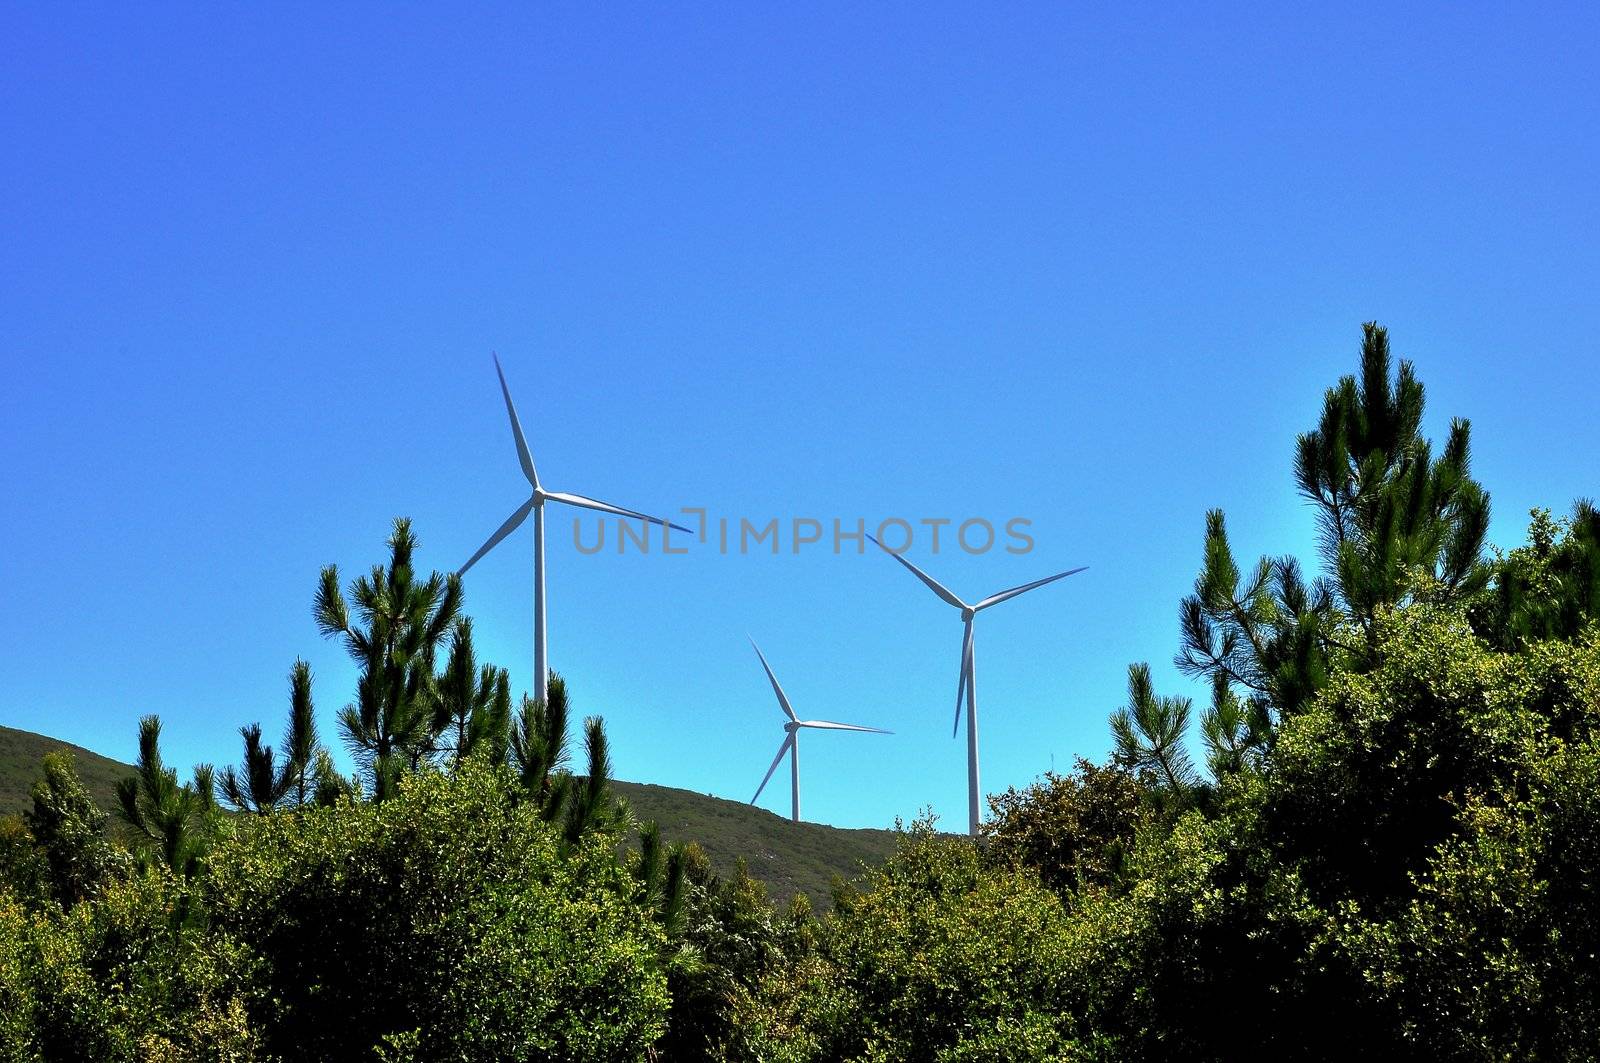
x=1386, y=851
x=787, y=857
x=22, y=753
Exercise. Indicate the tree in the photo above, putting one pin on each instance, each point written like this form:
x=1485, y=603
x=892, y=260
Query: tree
x=70, y=832
x=1548, y=589
x=538, y=744
x=262, y=782
x=329, y=788
x=24, y=872
x=400, y=623
x=590, y=805
x=725, y=942
x=540, y=757
x=662, y=873
x=174, y=822
x=1149, y=734
x=474, y=702
x=1233, y=734
x=1387, y=508
x=1394, y=521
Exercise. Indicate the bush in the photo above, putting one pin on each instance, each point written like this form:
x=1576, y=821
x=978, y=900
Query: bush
x=126, y=976
x=732, y=941
x=443, y=923
x=937, y=958
x=1494, y=955
x=1073, y=830
x=23, y=868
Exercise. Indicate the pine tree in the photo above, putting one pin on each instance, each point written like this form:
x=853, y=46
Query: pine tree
x=1387, y=509
x=327, y=786
x=1394, y=520
x=402, y=621
x=474, y=703
x=174, y=821
x=662, y=873
x=590, y=805
x=540, y=758
x=538, y=744
x=1149, y=734
x=263, y=783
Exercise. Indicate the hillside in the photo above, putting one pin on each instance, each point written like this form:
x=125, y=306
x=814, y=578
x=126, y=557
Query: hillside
x=788, y=857
x=20, y=754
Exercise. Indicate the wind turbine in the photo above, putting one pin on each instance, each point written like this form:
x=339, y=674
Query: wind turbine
x=967, y=684
x=535, y=505
x=791, y=739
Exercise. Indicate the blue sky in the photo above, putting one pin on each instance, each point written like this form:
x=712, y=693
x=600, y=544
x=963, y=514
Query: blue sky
x=1091, y=266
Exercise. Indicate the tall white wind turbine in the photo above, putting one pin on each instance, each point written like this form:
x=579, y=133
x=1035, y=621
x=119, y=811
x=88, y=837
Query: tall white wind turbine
x=967, y=684
x=791, y=738
x=535, y=505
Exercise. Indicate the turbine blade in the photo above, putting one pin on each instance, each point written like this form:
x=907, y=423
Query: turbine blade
x=516, y=430
x=996, y=599
x=787, y=740
x=505, y=529
x=933, y=584
x=598, y=506
x=961, y=684
x=830, y=725
x=783, y=699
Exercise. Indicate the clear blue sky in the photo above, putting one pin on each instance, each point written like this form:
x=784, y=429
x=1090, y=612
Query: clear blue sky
x=1088, y=265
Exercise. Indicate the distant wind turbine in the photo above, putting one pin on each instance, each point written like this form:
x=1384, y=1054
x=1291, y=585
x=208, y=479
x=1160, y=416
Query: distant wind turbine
x=967, y=684
x=791, y=740
x=535, y=505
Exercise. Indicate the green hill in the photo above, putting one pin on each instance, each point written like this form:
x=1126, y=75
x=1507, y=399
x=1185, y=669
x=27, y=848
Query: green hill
x=789, y=857
x=20, y=754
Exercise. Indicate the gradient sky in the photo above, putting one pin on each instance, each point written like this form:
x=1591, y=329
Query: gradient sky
x=1087, y=265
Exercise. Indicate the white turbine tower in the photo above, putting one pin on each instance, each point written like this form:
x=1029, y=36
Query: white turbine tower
x=535, y=505
x=967, y=684
x=791, y=739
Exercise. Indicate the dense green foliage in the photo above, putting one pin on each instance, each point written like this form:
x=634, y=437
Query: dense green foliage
x=933, y=956
x=1378, y=840
x=445, y=919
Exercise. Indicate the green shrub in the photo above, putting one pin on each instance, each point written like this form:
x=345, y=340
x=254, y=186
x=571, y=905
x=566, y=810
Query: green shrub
x=443, y=922
x=937, y=957
x=1072, y=830
x=23, y=867
x=125, y=976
